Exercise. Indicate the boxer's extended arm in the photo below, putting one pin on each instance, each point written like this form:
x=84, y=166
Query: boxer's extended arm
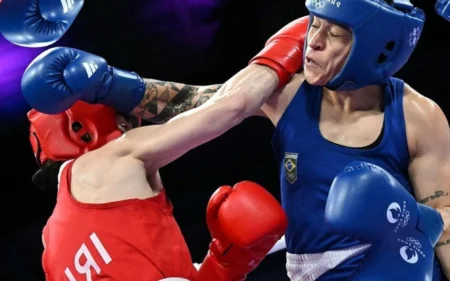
x=127, y=92
x=429, y=168
x=283, y=52
x=237, y=99
x=164, y=100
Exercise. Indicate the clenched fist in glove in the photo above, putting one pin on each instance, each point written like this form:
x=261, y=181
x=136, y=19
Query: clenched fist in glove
x=284, y=50
x=61, y=76
x=245, y=222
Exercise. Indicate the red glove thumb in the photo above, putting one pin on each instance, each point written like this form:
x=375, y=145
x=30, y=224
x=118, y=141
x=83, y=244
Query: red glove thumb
x=212, y=211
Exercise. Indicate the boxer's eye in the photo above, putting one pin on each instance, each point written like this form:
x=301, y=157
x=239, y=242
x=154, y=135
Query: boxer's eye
x=76, y=126
x=336, y=32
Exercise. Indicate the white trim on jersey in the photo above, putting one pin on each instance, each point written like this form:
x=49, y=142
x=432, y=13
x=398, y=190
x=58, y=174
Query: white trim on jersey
x=62, y=169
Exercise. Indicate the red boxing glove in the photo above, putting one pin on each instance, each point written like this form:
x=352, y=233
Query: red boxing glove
x=245, y=222
x=284, y=50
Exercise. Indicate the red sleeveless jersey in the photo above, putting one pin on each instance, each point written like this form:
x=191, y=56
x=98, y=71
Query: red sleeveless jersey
x=125, y=240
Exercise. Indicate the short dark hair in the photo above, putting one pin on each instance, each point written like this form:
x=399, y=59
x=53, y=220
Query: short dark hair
x=46, y=178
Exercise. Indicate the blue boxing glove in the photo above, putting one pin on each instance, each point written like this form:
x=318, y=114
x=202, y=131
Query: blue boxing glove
x=443, y=8
x=366, y=203
x=60, y=76
x=37, y=23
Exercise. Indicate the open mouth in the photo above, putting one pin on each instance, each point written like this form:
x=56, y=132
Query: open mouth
x=311, y=61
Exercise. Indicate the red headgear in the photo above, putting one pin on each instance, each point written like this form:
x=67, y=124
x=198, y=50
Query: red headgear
x=64, y=136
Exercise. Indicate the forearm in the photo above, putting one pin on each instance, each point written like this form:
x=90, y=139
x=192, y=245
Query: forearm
x=283, y=53
x=240, y=96
x=443, y=246
x=253, y=85
x=163, y=100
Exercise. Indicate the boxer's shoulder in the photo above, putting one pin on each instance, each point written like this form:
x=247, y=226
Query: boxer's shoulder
x=103, y=175
x=413, y=100
x=423, y=117
x=280, y=99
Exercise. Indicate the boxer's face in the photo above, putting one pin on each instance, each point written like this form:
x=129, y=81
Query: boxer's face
x=328, y=47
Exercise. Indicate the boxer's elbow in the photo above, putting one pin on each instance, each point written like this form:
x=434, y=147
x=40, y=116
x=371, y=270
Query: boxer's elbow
x=446, y=272
x=445, y=267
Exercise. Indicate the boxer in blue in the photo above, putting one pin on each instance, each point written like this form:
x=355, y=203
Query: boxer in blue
x=345, y=106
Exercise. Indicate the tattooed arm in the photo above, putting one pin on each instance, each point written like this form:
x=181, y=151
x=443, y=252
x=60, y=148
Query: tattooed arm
x=158, y=145
x=164, y=100
x=429, y=169
x=445, y=213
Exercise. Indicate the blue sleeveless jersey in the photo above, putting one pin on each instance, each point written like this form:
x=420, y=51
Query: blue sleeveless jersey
x=309, y=163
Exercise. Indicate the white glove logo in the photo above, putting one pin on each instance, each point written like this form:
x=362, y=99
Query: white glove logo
x=67, y=5
x=397, y=214
x=393, y=212
x=90, y=68
x=412, y=258
x=411, y=251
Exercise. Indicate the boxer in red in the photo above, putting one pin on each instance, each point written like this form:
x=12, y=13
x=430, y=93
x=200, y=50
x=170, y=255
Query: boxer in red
x=113, y=221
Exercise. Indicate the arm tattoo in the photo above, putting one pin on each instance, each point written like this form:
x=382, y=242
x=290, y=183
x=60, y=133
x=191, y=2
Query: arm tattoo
x=436, y=195
x=443, y=243
x=164, y=100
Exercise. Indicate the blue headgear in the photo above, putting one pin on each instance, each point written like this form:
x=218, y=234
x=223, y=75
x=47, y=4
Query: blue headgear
x=384, y=37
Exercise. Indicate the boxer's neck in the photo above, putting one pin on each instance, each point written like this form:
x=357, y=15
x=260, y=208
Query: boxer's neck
x=363, y=99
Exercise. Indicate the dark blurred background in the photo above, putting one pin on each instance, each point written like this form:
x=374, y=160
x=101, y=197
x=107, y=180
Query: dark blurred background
x=198, y=42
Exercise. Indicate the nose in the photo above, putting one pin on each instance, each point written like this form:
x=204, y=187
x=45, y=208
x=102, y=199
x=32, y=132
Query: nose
x=316, y=40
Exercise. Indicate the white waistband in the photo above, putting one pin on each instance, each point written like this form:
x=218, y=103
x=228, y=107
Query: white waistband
x=309, y=267
x=173, y=279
